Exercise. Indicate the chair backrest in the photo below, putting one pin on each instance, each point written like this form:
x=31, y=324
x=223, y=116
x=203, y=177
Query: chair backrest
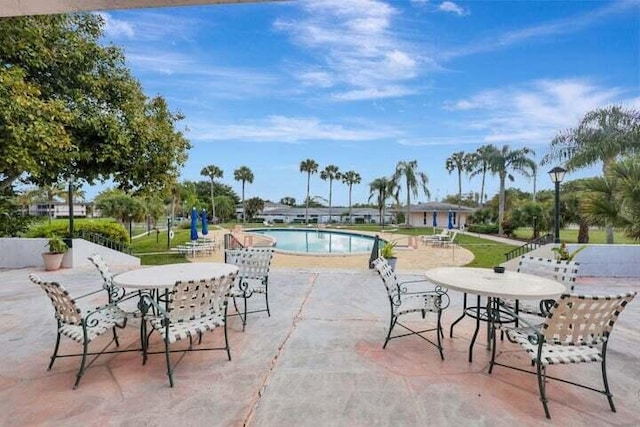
x=107, y=276
x=388, y=277
x=444, y=232
x=195, y=299
x=562, y=271
x=253, y=263
x=452, y=238
x=583, y=319
x=66, y=310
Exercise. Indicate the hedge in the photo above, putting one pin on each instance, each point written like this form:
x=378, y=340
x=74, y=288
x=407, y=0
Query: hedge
x=111, y=230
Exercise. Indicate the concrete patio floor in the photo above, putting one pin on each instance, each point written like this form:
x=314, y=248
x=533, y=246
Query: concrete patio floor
x=317, y=361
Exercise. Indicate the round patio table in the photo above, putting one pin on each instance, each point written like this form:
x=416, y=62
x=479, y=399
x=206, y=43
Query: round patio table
x=166, y=276
x=494, y=286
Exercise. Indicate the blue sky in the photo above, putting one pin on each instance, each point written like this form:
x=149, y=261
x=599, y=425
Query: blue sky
x=364, y=84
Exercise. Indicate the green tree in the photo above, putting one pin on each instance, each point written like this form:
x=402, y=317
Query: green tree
x=414, y=180
x=288, y=201
x=503, y=163
x=254, y=206
x=459, y=162
x=603, y=135
x=70, y=108
x=351, y=178
x=225, y=207
x=309, y=167
x=330, y=173
x=212, y=172
x=480, y=164
x=243, y=174
x=121, y=206
x=49, y=193
x=382, y=189
x=572, y=195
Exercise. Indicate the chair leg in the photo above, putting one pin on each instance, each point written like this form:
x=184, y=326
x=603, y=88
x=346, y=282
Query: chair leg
x=392, y=323
x=541, y=372
x=439, y=333
x=244, y=318
x=166, y=354
x=493, y=349
x=266, y=299
x=85, y=346
x=235, y=305
x=475, y=333
x=226, y=341
x=607, y=391
x=55, y=352
x=115, y=337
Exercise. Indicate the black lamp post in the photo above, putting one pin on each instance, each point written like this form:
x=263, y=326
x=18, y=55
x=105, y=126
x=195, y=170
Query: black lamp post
x=557, y=175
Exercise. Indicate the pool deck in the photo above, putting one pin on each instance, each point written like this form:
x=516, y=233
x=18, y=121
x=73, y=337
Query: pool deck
x=317, y=361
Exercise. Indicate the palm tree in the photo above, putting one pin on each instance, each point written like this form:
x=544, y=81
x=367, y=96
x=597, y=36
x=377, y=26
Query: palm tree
x=382, y=189
x=461, y=162
x=505, y=161
x=414, y=180
x=330, y=173
x=212, y=172
x=244, y=174
x=308, y=166
x=350, y=178
x=601, y=136
x=480, y=165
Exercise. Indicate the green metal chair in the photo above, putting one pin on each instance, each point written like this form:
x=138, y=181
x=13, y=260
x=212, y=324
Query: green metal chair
x=190, y=310
x=402, y=302
x=576, y=330
x=82, y=327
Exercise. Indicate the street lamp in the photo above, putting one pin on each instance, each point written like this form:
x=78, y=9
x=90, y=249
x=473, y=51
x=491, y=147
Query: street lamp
x=557, y=175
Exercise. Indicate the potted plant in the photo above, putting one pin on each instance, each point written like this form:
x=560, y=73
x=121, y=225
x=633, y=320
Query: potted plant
x=563, y=254
x=57, y=249
x=388, y=252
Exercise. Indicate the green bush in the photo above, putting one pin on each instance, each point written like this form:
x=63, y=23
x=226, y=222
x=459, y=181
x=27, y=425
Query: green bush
x=111, y=230
x=483, y=228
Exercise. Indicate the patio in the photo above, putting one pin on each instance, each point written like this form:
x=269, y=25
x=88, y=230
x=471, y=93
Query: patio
x=318, y=360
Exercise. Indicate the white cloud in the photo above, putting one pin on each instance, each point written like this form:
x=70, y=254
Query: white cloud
x=116, y=28
x=289, y=130
x=531, y=113
x=451, y=7
x=354, y=45
x=373, y=93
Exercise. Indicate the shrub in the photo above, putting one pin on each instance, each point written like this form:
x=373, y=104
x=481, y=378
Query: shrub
x=483, y=228
x=111, y=230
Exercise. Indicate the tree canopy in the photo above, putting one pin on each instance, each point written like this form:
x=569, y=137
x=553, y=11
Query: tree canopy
x=70, y=108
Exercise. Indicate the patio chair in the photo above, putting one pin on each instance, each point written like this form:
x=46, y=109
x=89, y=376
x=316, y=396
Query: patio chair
x=435, y=238
x=253, y=277
x=450, y=240
x=402, y=302
x=576, y=330
x=190, y=309
x=561, y=271
x=82, y=327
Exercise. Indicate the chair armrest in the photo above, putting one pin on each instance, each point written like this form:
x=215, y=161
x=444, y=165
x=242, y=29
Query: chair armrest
x=90, y=320
x=146, y=301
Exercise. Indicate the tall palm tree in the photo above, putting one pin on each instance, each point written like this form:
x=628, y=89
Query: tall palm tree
x=459, y=162
x=503, y=163
x=382, y=189
x=330, y=173
x=351, y=178
x=244, y=174
x=414, y=181
x=601, y=136
x=310, y=167
x=212, y=172
x=480, y=165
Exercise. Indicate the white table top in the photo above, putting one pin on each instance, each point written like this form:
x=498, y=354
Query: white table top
x=165, y=276
x=485, y=282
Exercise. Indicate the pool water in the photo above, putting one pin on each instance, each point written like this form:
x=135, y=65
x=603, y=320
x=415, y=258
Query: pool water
x=318, y=241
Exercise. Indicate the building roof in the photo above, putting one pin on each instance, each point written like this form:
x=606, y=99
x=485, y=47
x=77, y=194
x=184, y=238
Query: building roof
x=438, y=207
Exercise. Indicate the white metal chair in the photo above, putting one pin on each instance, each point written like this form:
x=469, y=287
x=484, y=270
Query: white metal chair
x=82, y=327
x=253, y=277
x=403, y=302
x=576, y=330
x=190, y=309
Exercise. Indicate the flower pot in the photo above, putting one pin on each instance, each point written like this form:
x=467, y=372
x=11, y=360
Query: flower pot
x=52, y=261
x=392, y=262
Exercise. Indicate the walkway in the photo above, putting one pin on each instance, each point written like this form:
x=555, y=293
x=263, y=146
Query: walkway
x=317, y=361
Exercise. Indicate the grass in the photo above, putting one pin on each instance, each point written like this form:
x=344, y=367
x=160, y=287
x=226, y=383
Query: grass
x=596, y=236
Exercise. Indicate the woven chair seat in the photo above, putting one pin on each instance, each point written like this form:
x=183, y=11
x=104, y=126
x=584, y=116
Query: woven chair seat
x=556, y=354
x=107, y=318
x=411, y=303
x=193, y=328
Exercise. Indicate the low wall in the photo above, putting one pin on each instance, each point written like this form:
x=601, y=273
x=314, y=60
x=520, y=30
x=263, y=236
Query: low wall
x=596, y=260
x=16, y=252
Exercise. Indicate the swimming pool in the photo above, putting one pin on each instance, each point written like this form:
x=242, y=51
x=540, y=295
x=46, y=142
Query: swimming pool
x=318, y=241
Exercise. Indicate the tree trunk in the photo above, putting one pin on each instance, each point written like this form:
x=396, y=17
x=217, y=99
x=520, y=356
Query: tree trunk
x=501, y=206
x=406, y=220
x=330, y=191
x=484, y=174
x=213, y=204
x=306, y=211
x=350, y=217
x=583, y=232
x=459, y=197
x=244, y=209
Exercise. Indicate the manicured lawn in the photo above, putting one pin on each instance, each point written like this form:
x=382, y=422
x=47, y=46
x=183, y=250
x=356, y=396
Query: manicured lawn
x=571, y=236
